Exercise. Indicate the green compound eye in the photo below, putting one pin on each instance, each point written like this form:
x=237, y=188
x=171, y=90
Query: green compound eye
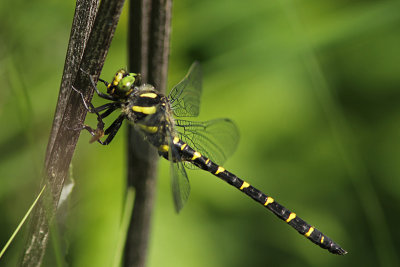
x=126, y=83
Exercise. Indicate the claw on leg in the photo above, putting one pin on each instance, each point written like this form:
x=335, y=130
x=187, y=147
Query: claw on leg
x=95, y=133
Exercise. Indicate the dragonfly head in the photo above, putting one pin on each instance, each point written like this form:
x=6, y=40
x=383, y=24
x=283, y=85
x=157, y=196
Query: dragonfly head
x=123, y=83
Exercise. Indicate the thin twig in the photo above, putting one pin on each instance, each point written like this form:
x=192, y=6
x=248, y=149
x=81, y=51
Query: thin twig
x=70, y=112
x=85, y=13
x=149, y=36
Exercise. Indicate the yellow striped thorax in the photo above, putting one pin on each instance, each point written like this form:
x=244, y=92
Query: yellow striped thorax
x=147, y=129
x=123, y=83
x=145, y=110
x=146, y=101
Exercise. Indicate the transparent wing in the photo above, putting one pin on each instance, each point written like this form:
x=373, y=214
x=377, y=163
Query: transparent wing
x=215, y=139
x=185, y=96
x=179, y=180
x=180, y=185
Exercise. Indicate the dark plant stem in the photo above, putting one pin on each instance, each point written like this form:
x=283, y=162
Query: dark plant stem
x=148, y=48
x=70, y=113
x=85, y=13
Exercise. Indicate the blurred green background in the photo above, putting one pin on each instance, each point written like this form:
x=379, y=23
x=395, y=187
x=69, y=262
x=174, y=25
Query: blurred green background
x=314, y=89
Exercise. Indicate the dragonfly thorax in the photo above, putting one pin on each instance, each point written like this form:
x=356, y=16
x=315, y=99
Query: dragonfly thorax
x=150, y=113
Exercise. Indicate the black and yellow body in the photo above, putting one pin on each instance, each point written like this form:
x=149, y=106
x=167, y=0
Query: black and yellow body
x=284, y=214
x=187, y=143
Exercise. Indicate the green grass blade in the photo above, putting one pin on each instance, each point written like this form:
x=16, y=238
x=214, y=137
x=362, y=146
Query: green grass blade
x=123, y=232
x=21, y=223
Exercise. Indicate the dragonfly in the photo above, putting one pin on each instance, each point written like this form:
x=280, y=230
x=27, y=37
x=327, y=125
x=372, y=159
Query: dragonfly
x=185, y=143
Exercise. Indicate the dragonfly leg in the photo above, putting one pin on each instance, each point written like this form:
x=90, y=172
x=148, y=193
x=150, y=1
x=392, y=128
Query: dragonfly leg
x=102, y=95
x=113, y=129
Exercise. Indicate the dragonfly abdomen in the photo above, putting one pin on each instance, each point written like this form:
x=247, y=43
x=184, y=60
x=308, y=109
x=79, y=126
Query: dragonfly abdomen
x=310, y=232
